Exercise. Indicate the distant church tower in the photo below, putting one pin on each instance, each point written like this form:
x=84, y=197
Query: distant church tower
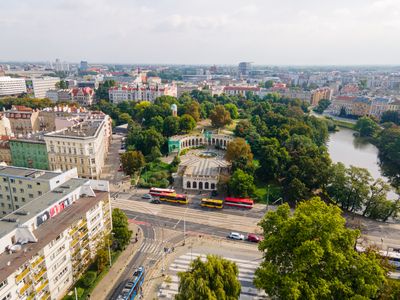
x=174, y=109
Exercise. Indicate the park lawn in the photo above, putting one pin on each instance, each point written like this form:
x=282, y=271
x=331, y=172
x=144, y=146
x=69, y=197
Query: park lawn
x=155, y=174
x=261, y=192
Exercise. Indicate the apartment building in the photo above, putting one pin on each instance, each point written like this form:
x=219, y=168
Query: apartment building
x=83, y=146
x=319, y=94
x=46, y=244
x=23, y=120
x=19, y=186
x=141, y=92
x=29, y=152
x=39, y=86
x=11, y=86
x=84, y=96
x=241, y=90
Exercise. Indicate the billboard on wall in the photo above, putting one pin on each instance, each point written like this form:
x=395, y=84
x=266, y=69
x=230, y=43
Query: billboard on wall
x=29, y=87
x=52, y=211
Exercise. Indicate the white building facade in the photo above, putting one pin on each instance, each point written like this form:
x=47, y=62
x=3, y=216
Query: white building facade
x=11, y=86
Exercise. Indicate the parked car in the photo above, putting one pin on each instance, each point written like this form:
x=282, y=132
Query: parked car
x=236, y=236
x=251, y=237
x=155, y=201
x=147, y=196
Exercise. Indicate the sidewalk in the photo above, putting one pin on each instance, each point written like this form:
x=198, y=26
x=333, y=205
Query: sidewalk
x=105, y=286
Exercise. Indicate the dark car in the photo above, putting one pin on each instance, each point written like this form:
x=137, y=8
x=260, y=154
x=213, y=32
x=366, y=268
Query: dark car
x=253, y=238
x=155, y=201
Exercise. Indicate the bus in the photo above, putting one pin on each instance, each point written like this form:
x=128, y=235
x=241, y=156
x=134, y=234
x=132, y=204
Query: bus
x=393, y=257
x=156, y=192
x=239, y=202
x=133, y=287
x=213, y=203
x=174, y=198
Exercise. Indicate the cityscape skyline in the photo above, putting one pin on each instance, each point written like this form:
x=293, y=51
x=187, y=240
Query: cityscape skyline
x=267, y=33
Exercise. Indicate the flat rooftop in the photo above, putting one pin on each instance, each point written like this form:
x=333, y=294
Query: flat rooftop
x=81, y=130
x=39, y=204
x=27, y=173
x=47, y=232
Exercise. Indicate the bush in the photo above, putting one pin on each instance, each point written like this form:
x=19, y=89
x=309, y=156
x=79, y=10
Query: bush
x=88, y=279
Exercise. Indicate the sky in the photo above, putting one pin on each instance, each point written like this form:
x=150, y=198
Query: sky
x=278, y=32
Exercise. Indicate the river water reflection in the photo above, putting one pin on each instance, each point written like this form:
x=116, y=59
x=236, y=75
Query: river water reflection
x=344, y=147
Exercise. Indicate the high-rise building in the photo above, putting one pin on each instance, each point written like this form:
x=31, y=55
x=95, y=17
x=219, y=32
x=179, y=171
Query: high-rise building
x=11, y=86
x=244, y=68
x=319, y=94
x=49, y=239
x=83, y=66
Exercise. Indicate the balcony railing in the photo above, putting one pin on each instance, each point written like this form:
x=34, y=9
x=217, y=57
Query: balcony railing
x=42, y=286
x=37, y=262
x=22, y=275
x=38, y=276
x=25, y=287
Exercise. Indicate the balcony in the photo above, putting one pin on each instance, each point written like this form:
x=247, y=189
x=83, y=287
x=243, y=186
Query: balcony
x=38, y=276
x=25, y=287
x=72, y=231
x=42, y=286
x=74, y=242
x=45, y=296
x=22, y=275
x=37, y=262
x=82, y=223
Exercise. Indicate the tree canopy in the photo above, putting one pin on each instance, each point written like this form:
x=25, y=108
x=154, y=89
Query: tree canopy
x=366, y=127
x=132, y=161
x=214, y=279
x=220, y=116
x=121, y=232
x=311, y=255
x=241, y=184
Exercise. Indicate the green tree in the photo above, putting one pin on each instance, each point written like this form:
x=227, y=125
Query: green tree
x=88, y=279
x=391, y=116
x=102, y=91
x=171, y=126
x=186, y=123
x=132, y=161
x=273, y=158
x=102, y=259
x=192, y=108
x=125, y=118
x=220, y=117
x=389, y=144
x=233, y=110
x=62, y=84
x=311, y=255
x=241, y=184
x=366, y=127
x=322, y=105
x=269, y=84
x=214, y=279
x=237, y=149
x=121, y=232
x=157, y=122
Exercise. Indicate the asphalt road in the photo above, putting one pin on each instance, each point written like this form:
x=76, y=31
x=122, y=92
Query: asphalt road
x=137, y=261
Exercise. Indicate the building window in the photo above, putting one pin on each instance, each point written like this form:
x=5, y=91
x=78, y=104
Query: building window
x=37, y=183
x=30, y=195
x=21, y=190
x=14, y=189
x=16, y=206
x=23, y=199
x=15, y=198
x=12, y=180
x=4, y=179
x=8, y=197
x=29, y=186
x=40, y=193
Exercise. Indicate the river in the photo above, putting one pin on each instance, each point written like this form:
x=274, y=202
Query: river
x=344, y=147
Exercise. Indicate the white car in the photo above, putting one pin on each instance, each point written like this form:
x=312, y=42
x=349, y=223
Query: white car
x=236, y=236
x=147, y=196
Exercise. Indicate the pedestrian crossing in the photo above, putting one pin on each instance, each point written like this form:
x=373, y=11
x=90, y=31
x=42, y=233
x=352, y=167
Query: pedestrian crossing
x=153, y=249
x=246, y=275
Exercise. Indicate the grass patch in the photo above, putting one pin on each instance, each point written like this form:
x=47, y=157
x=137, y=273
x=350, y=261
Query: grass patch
x=344, y=124
x=155, y=174
x=261, y=192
